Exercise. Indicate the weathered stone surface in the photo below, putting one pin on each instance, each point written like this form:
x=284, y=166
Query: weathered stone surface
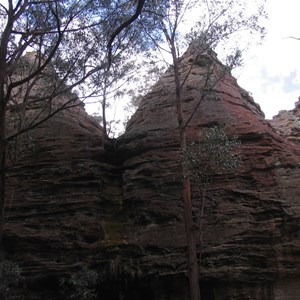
x=77, y=199
x=63, y=199
x=251, y=216
x=287, y=123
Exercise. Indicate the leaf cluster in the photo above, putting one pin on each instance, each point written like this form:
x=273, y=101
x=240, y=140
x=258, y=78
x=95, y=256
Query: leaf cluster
x=213, y=153
x=10, y=277
x=81, y=285
x=225, y=26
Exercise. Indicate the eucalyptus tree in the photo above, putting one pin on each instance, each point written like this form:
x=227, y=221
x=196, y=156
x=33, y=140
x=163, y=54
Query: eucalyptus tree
x=214, y=152
x=54, y=54
x=220, y=24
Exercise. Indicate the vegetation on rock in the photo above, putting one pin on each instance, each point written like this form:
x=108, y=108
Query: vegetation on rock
x=10, y=278
x=81, y=285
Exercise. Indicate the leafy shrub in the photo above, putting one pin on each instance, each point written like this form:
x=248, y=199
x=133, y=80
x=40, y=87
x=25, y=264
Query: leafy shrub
x=214, y=153
x=10, y=277
x=81, y=285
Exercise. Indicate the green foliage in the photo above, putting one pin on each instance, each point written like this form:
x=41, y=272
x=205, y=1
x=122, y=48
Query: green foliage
x=81, y=285
x=68, y=42
x=10, y=277
x=214, y=153
x=220, y=24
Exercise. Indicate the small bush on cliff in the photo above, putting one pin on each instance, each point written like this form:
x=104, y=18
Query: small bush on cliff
x=81, y=285
x=214, y=153
x=10, y=277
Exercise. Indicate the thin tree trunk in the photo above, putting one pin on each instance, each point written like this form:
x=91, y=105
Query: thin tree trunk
x=192, y=249
x=2, y=194
x=5, y=37
x=104, y=122
x=186, y=188
x=189, y=228
x=2, y=173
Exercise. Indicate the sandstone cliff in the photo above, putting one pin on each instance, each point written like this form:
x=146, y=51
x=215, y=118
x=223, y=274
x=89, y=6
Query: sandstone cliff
x=287, y=123
x=248, y=213
x=77, y=199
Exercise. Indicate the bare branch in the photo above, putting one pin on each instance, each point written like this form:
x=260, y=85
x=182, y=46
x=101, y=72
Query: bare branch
x=34, y=124
x=292, y=37
x=128, y=22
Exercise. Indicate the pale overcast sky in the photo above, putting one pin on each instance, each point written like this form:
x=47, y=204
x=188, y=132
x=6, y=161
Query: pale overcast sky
x=272, y=71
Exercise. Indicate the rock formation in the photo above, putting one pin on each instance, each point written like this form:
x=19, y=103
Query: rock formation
x=247, y=214
x=115, y=206
x=287, y=123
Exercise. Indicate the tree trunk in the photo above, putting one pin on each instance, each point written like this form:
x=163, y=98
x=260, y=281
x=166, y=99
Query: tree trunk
x=186, y=189
x=2, y=172
x=104, y=123
x=189, y=228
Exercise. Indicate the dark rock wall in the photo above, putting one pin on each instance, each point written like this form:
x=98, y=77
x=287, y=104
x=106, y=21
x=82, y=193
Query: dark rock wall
x=78, y=199
x=63, y=197
x=251, y=216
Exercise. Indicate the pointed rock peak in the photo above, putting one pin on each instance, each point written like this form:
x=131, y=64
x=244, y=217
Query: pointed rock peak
x=287, y=123
x=199, y=55
x=209, y=94
x=198, y=51
x=297, y=105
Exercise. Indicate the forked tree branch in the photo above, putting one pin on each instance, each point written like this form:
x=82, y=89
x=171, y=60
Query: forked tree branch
x=124, y=25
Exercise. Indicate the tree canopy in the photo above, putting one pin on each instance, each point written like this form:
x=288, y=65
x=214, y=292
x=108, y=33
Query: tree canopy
x=49, y=48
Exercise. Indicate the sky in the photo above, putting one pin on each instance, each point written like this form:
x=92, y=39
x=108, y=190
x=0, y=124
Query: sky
x=271, y=71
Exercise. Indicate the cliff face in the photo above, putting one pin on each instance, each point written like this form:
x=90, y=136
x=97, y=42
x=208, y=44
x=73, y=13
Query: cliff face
x=287, y=123
x=63, y=197
x=77, y=199
x=251, y=216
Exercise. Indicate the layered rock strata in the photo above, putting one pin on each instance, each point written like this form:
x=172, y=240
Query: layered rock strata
x=287, y=123
x=63, y=198
x=115, y=206
x=251, y=216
